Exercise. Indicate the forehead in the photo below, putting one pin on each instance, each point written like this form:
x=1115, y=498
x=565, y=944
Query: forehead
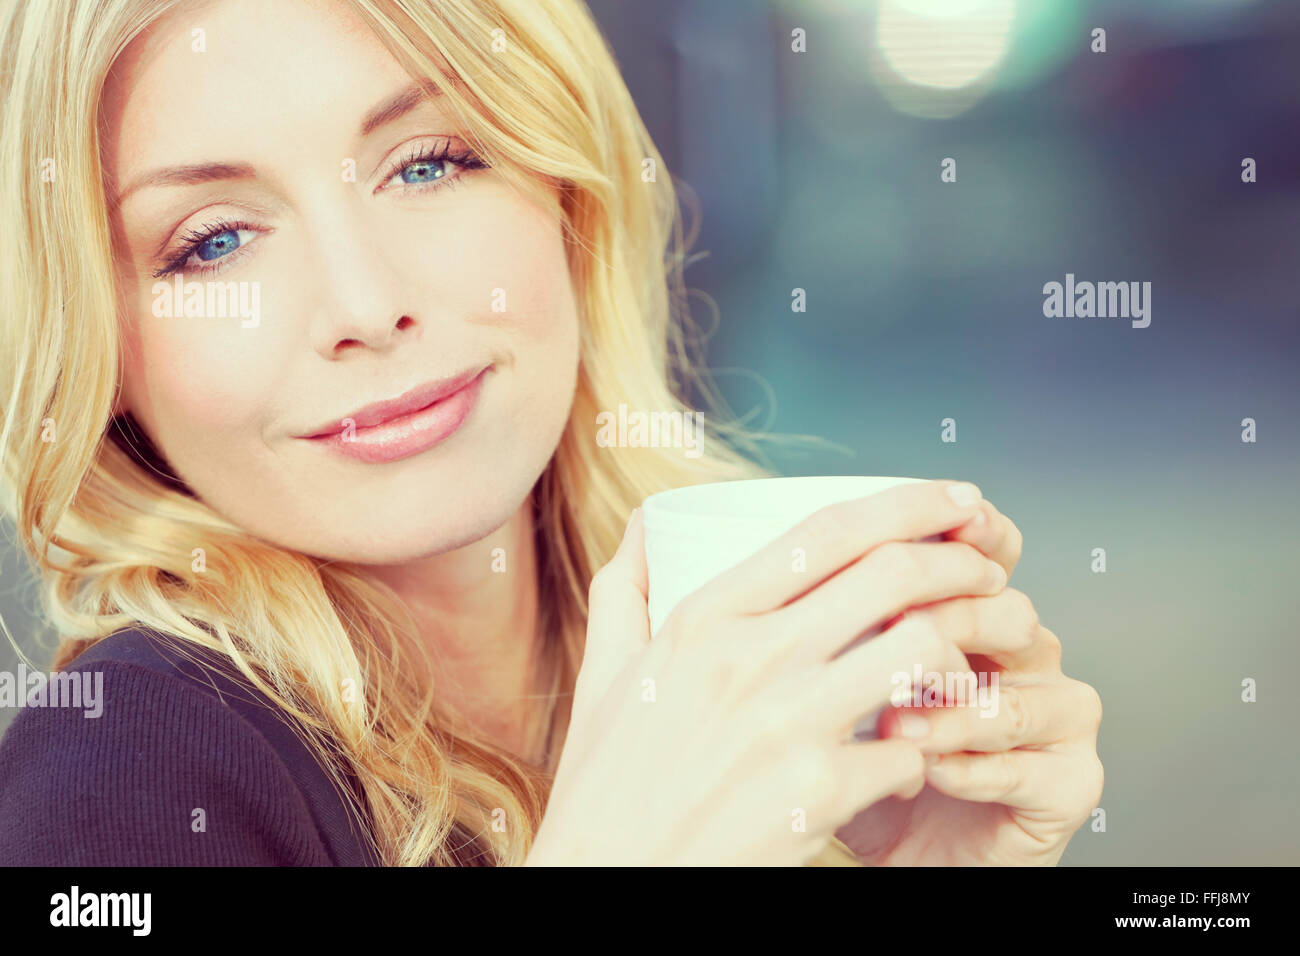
x=228, y=70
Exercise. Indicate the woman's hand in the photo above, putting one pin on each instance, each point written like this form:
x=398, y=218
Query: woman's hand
x=728, y=738
x=1006, y=789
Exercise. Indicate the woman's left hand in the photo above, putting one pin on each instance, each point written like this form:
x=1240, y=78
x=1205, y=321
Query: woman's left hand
x=1004, y=790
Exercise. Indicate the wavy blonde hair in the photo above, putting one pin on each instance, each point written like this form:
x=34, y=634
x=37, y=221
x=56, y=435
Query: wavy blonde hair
x=112, y=540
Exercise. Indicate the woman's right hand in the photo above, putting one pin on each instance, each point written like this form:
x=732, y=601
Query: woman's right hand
x=727, y=739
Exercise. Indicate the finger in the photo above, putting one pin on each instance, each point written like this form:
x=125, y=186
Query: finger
x=996, y=716
x=845, y=696
x=1003, y=627
x=835, y=536
x=1058, y=786
x=829, y=789
x=889, y=580
x=994, y=534
x=869, y=772
x=617, y=618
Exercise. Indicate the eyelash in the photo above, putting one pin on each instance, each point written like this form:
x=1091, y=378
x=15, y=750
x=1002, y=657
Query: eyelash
x=466, y=159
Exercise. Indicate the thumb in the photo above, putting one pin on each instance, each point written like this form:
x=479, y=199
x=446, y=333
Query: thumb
x=618, y=622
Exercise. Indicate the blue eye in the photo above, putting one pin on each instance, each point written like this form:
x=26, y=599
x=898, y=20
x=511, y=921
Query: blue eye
x=219, y=245
x=432, y=166
x=215, y=241
x=422, y=171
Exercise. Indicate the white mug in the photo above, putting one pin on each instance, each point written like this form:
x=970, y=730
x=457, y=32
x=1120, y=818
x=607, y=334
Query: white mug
x=695, y=533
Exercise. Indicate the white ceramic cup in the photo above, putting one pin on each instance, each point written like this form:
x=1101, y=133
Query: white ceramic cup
x=695, y=533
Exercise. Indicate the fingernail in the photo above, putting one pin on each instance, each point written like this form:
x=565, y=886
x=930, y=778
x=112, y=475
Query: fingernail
x=964, y=493
x=997, y=575
x=913, y=726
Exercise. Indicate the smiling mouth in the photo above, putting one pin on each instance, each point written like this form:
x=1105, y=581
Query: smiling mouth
x=416, y=399
x=407, y=432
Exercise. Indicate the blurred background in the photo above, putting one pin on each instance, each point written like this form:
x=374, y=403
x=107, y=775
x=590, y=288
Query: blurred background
x=821, y=170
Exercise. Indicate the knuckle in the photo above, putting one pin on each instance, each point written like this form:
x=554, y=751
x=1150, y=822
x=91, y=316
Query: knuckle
x=1090, y=790
x=815, y=774
x=1051, y=642
x=1098, y=778
x=1026, y=617
x=1090, y=704
x=981, y=571
x=896, y=560
x=779, y=651
x=1026, y=603
x=733, y=661
x=723, y=670
x=769, y=726
x=917, y=639
x=1017, y=714
x=688, y=617
x=930, y=646
x=738, y=662
x=909, y=507
x=826, y=523
x=1015, y=540
x=1006, y=774
x=970, y=622
x=919, y=501
x=708, y=669
x=938, y=653
x=913, y=764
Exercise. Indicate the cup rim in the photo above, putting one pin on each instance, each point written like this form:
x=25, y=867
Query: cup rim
x=667, y=505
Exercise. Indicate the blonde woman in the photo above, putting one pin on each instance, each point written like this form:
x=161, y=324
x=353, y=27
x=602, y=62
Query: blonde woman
x=310, y=310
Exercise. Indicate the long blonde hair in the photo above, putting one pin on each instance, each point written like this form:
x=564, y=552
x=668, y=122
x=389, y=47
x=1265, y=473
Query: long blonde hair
x=113, y=543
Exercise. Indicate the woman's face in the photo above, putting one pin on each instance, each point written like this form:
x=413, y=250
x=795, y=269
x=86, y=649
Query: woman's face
x=274, y=148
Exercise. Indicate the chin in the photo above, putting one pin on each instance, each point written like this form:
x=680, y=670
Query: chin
x=404, y=528
x=437, y=530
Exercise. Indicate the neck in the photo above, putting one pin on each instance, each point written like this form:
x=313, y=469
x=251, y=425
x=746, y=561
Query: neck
x=476, y=612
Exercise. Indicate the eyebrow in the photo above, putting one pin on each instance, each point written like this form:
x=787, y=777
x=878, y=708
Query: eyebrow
x=397, y=106
x=192, y=175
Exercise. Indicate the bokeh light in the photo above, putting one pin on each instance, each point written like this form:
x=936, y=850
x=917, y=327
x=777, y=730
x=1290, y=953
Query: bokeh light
x=937, y=58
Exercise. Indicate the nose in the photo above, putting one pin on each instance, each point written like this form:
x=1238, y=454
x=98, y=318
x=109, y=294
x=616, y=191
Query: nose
x=360, y=303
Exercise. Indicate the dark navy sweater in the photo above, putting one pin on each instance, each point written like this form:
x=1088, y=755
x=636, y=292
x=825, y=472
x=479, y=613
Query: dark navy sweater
x=174, y=737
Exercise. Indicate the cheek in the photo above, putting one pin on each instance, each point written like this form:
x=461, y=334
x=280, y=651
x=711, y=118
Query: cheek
x=536, y=305
x=504, y=267
x=199, y=382
x=541, y=322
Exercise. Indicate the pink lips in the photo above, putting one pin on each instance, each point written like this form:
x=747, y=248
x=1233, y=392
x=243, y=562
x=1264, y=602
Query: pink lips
x=404, y=426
